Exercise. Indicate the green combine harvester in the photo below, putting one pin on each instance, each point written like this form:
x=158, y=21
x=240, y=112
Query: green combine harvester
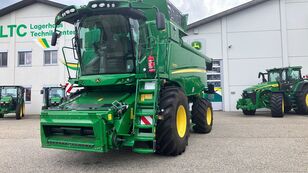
x=282, y=91
x=12, y=101
x=139, y=78
x=53, y=96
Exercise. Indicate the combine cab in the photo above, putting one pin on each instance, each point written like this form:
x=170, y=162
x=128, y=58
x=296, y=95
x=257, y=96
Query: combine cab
x=138, y=78
x=53, y=96
x=12, y=101
x=284, y=89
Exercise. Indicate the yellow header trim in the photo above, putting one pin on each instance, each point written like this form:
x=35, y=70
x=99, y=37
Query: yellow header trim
x=190, y=70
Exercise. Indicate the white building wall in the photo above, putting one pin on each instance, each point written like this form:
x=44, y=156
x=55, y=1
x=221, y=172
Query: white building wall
x=37, y=75
x=271, y=34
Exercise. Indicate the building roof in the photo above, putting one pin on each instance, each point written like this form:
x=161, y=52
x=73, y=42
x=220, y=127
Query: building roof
x=25, y=3
x=226, y=13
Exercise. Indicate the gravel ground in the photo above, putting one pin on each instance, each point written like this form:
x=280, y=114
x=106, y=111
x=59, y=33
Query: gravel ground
x=236, y=144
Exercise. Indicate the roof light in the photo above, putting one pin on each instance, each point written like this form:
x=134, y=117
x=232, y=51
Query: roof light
x=94, y=5
x=67, y=12
x=63, y=14
x=72, y=10
x=108, y=5
x=113, y=5
x=102, y=5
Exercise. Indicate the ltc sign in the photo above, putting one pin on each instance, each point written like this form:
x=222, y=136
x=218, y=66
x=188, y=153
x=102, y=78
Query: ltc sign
x=33, y=30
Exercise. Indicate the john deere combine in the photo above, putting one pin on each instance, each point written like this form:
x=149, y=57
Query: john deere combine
x=138, y=78
x=284, y=90
x=53, y=96
x=12, y=101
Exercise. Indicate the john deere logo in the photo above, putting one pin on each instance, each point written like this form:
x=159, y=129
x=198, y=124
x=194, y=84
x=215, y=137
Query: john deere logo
x=197, y=45
x=98, y=80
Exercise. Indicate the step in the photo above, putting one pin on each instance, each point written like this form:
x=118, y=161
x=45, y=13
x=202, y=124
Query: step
x=145, y=112
x=143, y=150
x=143, y=91
x=145, y=137
x=146, y=103
x=144, y=126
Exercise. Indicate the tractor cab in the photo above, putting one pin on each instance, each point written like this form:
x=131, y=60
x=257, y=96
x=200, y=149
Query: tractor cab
x=284, y=74
x=53, y=96
x=12, y=101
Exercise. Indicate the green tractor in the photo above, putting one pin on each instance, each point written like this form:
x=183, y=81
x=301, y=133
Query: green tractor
x=12, y=101
x=283, y=90
x=53, y=96
x=138, y=78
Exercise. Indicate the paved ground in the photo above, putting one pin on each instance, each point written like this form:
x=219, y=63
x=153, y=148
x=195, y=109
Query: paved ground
x=236, y=144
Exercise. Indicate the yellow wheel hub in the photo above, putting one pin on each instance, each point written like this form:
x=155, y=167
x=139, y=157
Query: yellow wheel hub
x=23, y=110
x=20, y=112
x=209, y=116
x=307, y=100
x=181, y=121
x=282, y=105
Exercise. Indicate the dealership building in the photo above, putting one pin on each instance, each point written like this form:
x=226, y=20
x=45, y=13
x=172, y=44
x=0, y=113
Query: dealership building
x=243, y=41
x=26, y=57
x=250, y=38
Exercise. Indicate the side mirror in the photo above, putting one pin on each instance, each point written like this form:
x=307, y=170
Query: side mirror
x=263, y=77
x=160, y=21
x=211, y=89
x=54, y=38
x=42, y=91
x=209, y=66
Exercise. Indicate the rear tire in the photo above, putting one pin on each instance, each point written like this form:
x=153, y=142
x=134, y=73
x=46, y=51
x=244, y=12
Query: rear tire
x=202, y=116
x=302, y=102
x=172, y=132
x=251, y=112
x=277, y=105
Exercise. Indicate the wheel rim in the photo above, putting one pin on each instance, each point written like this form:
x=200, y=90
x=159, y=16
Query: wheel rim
x=209, y=116
x=20, y=112
x=181, y=121
x=282, y=105
x=307, y=100
x=23, y=110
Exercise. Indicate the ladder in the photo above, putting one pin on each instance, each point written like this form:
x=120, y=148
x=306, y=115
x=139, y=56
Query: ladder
x=145, y=118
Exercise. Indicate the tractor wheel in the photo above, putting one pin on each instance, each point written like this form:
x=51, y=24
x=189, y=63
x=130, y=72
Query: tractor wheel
x=19, y=112
x=1, y=115
x=23, y=110
x=277, y=105
x=251, y=112
x=302, y=102
x=172, y=132
x=202, y=116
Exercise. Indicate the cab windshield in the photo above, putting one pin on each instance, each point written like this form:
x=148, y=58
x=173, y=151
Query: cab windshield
x=274, y=76
x=109, y=44
x=6, y=92
x=56, y=92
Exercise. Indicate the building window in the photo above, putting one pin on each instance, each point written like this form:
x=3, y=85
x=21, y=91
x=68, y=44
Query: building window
x=51, y=57
x=3, y=59
x=28, y=94
x=24, y=58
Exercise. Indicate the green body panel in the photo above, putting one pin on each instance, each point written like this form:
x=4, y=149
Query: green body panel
x=258, y=96
x=107, y=113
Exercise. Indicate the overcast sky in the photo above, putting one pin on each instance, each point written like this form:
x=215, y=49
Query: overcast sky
x=197, y=9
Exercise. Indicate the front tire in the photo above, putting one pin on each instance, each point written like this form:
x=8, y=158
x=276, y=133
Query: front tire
x=172, y=132
x=202, y=116
x=277, y=105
